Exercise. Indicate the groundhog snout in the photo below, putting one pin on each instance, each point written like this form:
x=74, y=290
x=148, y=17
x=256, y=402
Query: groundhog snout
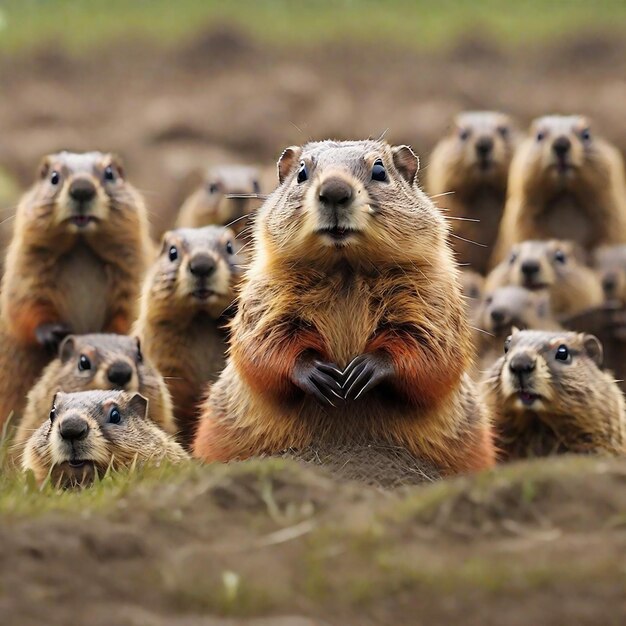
x=561, y=146
x=73, y=428
x=610, y=281
x=500, y=316
x=484, y=147
x=522, y=364
x=202, y=265
x=335, y=193
x=82, y=190
x=530, y=268
x=120, y=373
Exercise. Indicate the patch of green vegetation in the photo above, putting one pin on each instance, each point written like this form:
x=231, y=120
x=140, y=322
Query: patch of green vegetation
x=77, y=25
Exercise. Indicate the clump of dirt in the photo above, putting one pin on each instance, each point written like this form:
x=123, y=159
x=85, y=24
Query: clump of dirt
x=535, y=542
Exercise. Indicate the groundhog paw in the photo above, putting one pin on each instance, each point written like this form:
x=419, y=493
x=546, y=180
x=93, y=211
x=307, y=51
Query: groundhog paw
x=366, y=372
x=321, y=380
x=51, y=335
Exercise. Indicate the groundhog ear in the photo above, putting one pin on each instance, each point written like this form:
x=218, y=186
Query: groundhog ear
x=67, y=348
x=593, y=348
x=139, y=404
x=44, y=167
x=287, y=160
x=514, y=330
x=117, y=163
x=406, y=162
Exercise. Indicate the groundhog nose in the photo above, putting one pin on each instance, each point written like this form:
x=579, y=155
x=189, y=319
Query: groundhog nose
x=74, y=428
x=530, y=268
x=609, y=283
x=522, y=363
x=561, y=146
x=202, y=265
x=484, y=146
x=498, y=316
x=82, y=190
x=335, y=192
x=120, y=373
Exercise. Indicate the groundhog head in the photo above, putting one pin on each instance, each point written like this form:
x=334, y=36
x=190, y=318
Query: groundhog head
x=102, y=361
x=213, y=202
x=196, y=271
x=86, y=433
x=472, y=286
x=352, y=201
x=82, y=193
x=508, y=307
x=480, y=146
x=610, y=264
x=547, y=372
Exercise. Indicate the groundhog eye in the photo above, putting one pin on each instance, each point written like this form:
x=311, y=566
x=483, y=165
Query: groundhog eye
x=562, y=353
x=173, y=253
x=84, y=363
x=303, y=173
x=214, y=188
x=464, y=134
x=115, y=417
x=513, y=258
x=503, y=131
x=109, y=174
x=378, y=171
x=559, y=256
x=229, y=247
x=489, y=301
x=507, y=344
x=53, y=413
x=540, y=136
x=256, y=188
x=55, y=177
x=585, y=134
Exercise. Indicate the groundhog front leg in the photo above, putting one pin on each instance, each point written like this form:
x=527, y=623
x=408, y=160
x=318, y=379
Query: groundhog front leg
x=35, y=323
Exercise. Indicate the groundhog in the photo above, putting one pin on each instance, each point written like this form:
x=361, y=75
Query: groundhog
x=351, y=328
x=467, y=177
x=564, y=183
x=211, y=204
x=610, y=264
x=555, y=266
x=472, y=287
x=183, y=313
x=87, y=362
x=89, y=431
x=549, y=396
x=506, y=308
x=74, y=265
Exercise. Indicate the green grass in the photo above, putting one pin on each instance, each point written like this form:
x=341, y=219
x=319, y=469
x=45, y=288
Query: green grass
x=80, y=24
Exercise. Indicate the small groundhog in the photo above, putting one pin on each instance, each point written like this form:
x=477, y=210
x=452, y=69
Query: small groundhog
x=564, y=183
x=210, y=203
x=467, y=177
x=549, y=396
x=505, y=308
x=556, y=266
x=75, y=263
x=351, y=328
x=183, y=310
x=87, y=362
x=89, y=431
x=472, y=287
x=610, y=264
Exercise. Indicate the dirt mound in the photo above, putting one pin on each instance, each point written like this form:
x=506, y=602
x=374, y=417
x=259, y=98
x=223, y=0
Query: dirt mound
x=532, y=543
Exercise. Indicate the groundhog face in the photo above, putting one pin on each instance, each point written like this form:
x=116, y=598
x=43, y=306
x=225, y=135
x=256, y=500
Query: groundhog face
x=352, y=200
x=539, y=264
x=559, y=146
x=548, y=372
x=213, y=202
x=89, y=431
x=472, y=285
x=80, y=193
x=101, y=362
x=610, y=264
x=481, y=144
x=509, y=307
x=196, y=271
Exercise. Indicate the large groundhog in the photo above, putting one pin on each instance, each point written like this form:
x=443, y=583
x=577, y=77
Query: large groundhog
x=351, y=328
x=548, y=396
x=87, y=362
x=89, y=432
x=184, y=312
x=75, y=263
x=467, y=176
x=555, y=266
x=564, y=183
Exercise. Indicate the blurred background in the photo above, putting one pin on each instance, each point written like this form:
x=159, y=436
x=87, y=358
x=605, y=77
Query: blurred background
x=174, y=87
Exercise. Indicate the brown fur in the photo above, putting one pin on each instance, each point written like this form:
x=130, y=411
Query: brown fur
x=391, y=291
x=575, y=406
x=104, y=354
x=136, y=438
x=471, y=188
x=210, y=204
x=585, y=202
x=181, y=333
x=610, y=264
x=573, y=287
x=81, y=279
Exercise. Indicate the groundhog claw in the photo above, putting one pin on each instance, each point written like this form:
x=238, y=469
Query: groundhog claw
x=321, y=380
x=366, y=372
x=51, y=335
